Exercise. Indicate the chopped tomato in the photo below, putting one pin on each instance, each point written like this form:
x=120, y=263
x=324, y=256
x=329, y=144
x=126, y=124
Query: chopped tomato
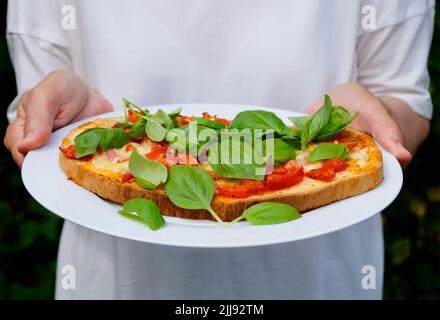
x=115, y=126
x=206, y=115
x=243, y=189
x=182, y=120
x=133, y=117
x=337, y=164
x=325, y=173
x=127, y=176
x=157, y=152
x=70, y=152
x=328, y=171
x=128, y=147
x=280, y=180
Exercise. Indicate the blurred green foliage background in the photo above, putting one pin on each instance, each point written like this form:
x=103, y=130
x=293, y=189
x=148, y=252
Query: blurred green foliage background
x=29, y=234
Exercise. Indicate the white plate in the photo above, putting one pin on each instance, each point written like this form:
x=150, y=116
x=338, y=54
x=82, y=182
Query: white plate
x=46, y=182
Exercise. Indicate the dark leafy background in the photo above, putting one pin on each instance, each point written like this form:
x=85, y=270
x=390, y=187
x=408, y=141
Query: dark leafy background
x=29, y=234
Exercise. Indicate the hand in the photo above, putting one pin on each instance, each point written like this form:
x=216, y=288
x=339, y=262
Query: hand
x=60, y=98
x=381, y=117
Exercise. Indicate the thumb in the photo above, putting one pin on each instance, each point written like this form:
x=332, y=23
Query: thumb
x=386, y=131
x=38, y=110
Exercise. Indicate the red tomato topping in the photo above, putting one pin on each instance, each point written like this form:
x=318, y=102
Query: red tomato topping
x=284, y=178
x=324, y=173
x=337, y=164
x=128, y=147
x=243, y=189
x=70, y=152
x=214, y=118
x=157, y=152
x=133, y=117
x=127, y=176
x=328, y=171
x=182, y=120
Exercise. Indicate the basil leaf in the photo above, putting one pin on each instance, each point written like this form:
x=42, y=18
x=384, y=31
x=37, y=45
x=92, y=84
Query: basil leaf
x=190, y=187
x=237, y=160
x=155, y=131
x=163, y=118
x=113, y=138
x=267, y=213
x=209, y=123
x=148, y=173
x=340, y=119
x=258, y=119
x=317, y=122
x=138, y=129
x=88, y=142
x=175, y=113
x=300, y=122
x=147, y=211
x=133, y=107
x=329, y=151
x=282, y=151
x=181, y=139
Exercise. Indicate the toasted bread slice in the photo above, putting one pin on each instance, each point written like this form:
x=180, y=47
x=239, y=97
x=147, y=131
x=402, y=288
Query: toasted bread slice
x=363, y=174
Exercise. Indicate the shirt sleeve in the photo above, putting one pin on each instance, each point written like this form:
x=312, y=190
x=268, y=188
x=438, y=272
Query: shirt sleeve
x=392, y=59
x=37, y=44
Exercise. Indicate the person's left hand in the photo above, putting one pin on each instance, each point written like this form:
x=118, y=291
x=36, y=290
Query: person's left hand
x=377, y=117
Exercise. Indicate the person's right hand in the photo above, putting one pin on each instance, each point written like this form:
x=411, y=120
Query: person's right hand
x=60, y=98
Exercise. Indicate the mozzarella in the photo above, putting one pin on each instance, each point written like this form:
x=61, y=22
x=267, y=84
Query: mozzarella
x=101, y=160
x=361, y=155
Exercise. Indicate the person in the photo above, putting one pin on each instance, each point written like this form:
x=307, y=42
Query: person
x=74, y=59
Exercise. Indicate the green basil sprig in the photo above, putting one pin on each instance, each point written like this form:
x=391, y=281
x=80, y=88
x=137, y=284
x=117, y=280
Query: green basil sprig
x=326, y=123
x=267, y=213
x=329, y=151
x=340, y=119
x=317, y=122
x=259, y=119
x=148, y=173
x=88, y=142
x=147, y=211
x=192, y=188
x=137, y=130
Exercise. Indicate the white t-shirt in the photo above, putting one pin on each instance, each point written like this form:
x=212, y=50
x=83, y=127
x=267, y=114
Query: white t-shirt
x=282, y=54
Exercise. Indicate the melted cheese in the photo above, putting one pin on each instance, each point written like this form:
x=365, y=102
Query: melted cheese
x=361, y=155
x=117, y=163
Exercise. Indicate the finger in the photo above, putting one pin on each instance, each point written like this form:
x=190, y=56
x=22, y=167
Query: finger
x=385, y=131
x=13, y=136
x=40, y=106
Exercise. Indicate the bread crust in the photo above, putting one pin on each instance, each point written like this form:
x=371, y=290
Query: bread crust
x=311, y=193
